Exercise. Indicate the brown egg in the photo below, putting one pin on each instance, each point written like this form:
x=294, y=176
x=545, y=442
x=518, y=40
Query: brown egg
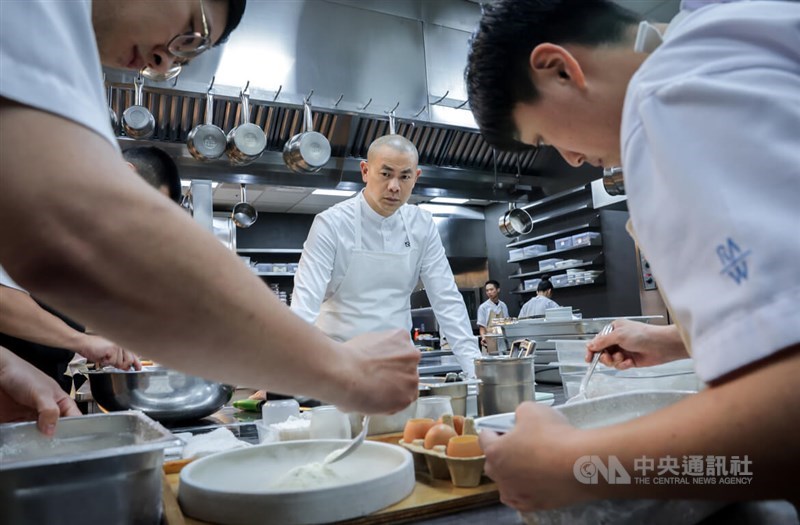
x=458, y=423
x=417, y=428
x=439, y=434
x=464, y=447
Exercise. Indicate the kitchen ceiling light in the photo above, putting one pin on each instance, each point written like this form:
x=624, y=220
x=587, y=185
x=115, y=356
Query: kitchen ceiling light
x=333, y=193
x=449, y=200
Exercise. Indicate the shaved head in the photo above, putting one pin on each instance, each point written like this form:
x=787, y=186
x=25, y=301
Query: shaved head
x=396, y=142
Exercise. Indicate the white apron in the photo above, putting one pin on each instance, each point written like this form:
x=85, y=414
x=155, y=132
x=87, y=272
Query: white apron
x=375, y=292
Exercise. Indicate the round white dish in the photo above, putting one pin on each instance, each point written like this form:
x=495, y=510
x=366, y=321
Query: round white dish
x=240, y=486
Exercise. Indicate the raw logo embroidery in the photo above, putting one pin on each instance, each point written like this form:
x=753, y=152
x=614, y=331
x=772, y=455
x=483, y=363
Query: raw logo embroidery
x=734, y=260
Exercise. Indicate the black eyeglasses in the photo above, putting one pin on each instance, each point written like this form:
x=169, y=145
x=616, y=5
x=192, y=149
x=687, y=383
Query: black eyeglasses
x=183, y=47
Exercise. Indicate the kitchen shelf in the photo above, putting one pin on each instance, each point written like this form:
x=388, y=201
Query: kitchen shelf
x=560, y=213
x=557, y=197
x=274, y=274
x=550, y=271
x=270, y=250
x=591, y=224
x=552, y=252
x=598, y=280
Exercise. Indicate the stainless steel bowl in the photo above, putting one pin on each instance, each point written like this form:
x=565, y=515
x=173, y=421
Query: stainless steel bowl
x=161, y=393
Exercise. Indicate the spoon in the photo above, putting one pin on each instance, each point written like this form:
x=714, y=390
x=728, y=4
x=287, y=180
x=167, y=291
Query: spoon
x=595, y=359
x=341, y=453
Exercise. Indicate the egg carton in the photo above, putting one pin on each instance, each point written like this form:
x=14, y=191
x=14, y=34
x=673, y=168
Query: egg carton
x=462, y=472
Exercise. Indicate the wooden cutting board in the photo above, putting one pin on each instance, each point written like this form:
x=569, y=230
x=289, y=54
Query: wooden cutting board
x=430, y=498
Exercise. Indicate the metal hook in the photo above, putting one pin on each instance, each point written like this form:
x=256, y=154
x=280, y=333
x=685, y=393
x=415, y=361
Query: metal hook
x=211, y=85
x=418, y=113
x=441, y=98
x=277, y=93
x=339, y=100
x=462, y=104
x=367, y=104
x=246, y=86
x=394, y=108
x=519, y=169
x=175, y=82
x=308, y=98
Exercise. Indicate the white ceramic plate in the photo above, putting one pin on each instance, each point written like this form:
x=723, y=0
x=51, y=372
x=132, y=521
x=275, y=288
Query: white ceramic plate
x=241, y=486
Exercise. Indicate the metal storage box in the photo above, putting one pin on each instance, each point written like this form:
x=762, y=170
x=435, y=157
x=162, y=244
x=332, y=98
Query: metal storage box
x=109, y=462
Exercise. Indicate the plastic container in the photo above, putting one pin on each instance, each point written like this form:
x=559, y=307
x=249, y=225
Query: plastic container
x=548, y=264
x=677, y=375
x=534, y=249
x=516, y=254
x=563, y=243
x=531, y=284
x=264, y=267
x=586, y=239
x=280, y=268
x=559, y=281
x=292, y=267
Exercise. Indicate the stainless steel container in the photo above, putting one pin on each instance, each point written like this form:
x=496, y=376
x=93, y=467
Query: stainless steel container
x=161, y=393
x=456, y=390
x=505, y=383
x=102, y=468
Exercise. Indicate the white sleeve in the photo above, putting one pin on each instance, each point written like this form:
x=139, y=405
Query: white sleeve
x=525, y=311
x=726, y=257
x=7, y=281
x=57, y=70
x=483, y=315
x=447, y=303
x=314, y=269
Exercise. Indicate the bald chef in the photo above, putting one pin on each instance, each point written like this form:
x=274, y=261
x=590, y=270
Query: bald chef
x=364, y=256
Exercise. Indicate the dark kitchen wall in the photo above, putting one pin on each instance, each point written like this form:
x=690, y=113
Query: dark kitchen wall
x=275, y=231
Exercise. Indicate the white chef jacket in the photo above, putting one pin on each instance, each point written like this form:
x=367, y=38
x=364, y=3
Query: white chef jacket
x=6, y=280
x=499, y=310
x=537, y=305
x=326, y=255
x=49, y=61
x=711, y=150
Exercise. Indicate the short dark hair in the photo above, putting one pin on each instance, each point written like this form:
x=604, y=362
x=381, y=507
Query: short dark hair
x=492, y=281
x=235, y=12
x=156, y=167
x=544, y=284
x=497, y=73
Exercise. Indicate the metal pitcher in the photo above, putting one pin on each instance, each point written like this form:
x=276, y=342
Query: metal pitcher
x=505, y=383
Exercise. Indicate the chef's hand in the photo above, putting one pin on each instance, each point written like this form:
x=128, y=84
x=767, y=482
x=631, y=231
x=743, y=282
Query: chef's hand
x=632, y=343
x=384, y=375
x=26, y=394
x=533, y=464
x=105, y=353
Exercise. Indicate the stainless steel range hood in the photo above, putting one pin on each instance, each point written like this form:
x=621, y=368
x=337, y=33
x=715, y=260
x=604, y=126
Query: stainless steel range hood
x=356, y=62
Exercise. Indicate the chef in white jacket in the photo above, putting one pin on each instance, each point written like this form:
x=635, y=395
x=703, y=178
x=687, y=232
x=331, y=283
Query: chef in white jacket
x=364, y=256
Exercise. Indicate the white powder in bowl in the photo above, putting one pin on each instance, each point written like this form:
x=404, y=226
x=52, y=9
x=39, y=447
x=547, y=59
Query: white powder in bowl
x=308, y=476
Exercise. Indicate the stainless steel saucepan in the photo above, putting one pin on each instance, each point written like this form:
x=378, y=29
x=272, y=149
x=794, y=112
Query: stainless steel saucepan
x=243, y=214
x=207, y=141
x=515, y=222
x=246, y=142
x=137, y=120
x=308, y=151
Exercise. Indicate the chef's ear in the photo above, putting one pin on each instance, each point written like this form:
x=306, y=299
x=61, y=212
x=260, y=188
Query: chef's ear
x=364, y=171
x=419, y=172
x=131, y=166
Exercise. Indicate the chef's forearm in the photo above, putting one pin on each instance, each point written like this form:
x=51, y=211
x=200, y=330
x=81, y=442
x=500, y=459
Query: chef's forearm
x=125, y=260
x=753, y=415
x=23, y=318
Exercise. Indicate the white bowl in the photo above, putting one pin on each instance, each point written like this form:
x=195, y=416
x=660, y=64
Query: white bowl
x=241, y=486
